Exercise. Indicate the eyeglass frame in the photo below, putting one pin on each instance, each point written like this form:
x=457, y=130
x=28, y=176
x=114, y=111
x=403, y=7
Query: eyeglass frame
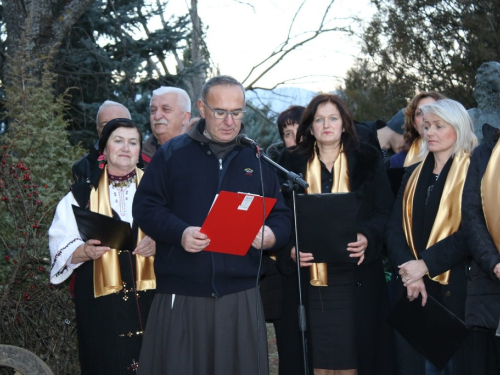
x=232, y=113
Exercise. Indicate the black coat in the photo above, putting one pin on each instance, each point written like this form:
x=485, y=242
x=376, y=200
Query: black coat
x=483, y=295
x=369, y=182
x=86, y=166
x=450, y=253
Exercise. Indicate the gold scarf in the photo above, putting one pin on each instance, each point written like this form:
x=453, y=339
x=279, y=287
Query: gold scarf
x=319, y=271
x=412, y=157
x=490, y=194
x=449, y=214
x=107, y=275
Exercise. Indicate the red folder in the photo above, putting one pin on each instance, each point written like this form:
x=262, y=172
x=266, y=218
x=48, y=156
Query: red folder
x=234, y=221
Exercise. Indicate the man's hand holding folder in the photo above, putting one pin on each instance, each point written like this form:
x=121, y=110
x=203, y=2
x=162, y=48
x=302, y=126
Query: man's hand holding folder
x=235, y=223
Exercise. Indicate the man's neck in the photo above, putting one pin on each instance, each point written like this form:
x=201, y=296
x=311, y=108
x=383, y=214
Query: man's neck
x=161, y=139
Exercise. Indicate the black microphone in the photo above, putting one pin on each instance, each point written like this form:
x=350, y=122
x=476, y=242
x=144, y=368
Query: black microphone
x=242, y=140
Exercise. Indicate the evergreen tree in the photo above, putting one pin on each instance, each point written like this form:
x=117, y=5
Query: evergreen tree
x=35, y=174
x=419, y=45
x=119, y=51
x=371, y=95
x=260, y=125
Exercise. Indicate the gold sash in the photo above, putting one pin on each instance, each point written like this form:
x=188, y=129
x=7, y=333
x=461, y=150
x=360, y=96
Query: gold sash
x=490, y=194
x=319, y=271
x=107, y=275
x=449, y=214
x=412, y=157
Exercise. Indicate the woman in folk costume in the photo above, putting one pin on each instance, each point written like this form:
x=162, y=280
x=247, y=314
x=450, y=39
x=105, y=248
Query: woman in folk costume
x=414, y=130
x=346, y=303
x=113, y=287
x=424, y=239
x=481, y=225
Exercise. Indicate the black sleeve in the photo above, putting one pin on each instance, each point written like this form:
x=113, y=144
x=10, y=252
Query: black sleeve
x=382, y=199
x=476, y=232
x=398, y=250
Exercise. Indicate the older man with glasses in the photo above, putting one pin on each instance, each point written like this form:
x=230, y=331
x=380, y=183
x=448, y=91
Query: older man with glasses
x=207, y=315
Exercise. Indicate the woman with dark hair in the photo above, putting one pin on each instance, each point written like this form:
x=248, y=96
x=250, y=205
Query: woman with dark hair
x=347, y=302
x=413, y=130
x=113, y=288
x=425, y=241
x=480, y=218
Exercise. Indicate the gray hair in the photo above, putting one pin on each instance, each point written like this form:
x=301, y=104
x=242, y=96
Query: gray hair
x=183, y=99
x=220, y=80
x=457, y=116
x=110, y=103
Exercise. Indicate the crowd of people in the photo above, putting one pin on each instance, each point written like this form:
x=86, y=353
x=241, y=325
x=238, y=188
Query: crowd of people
x=170, y=306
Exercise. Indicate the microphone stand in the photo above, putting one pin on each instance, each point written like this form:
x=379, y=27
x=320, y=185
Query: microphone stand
x=293, y=182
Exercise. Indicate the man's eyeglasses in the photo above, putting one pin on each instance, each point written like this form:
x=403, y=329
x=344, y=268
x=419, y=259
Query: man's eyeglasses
x=221, y=114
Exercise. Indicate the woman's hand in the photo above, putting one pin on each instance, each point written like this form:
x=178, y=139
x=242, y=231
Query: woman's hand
x=358, y=248
x=306, y=259
x=193, y=241
x=414, y=289
x=496, y=270
x=146, y=248
x=412, y=271
x=88, y=251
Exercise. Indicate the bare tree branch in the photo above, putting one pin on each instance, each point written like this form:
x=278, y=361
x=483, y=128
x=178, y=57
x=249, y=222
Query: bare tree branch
x=289, y=46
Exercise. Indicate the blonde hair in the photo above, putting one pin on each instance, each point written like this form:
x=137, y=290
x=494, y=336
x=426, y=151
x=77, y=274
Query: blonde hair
x=457, y=116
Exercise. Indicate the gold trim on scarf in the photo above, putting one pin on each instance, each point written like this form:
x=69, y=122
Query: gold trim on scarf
x=413, y=157
x=107, y=275
x=449, y=214
x=319, y=271
x=490, y=194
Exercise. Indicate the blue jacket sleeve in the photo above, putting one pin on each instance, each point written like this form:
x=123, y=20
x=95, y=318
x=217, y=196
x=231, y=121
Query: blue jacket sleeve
x=150, y=208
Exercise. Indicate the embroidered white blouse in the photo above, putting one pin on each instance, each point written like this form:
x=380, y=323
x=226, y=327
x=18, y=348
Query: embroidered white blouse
x=64, y=237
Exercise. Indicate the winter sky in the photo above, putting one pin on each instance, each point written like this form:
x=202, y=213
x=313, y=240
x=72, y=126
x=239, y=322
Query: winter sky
x=242, y=33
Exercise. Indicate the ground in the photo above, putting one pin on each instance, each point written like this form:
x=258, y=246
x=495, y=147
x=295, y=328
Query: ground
x=273, y=352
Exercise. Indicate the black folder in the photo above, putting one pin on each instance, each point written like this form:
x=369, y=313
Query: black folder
x=326, y=224
x=113, y=233
x=433, y=330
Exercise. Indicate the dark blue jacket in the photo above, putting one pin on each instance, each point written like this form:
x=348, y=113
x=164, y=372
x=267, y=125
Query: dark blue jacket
x=178, y=190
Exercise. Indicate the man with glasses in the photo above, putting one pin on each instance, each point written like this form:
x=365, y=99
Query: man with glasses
x=207, y=316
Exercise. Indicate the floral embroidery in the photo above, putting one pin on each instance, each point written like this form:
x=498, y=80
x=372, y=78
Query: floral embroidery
x=61, y=271
x=122, y=181
x=102, y=160
x=58, y=254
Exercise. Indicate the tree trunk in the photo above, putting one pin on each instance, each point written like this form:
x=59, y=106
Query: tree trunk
x=34, y=31
x=199, y=78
